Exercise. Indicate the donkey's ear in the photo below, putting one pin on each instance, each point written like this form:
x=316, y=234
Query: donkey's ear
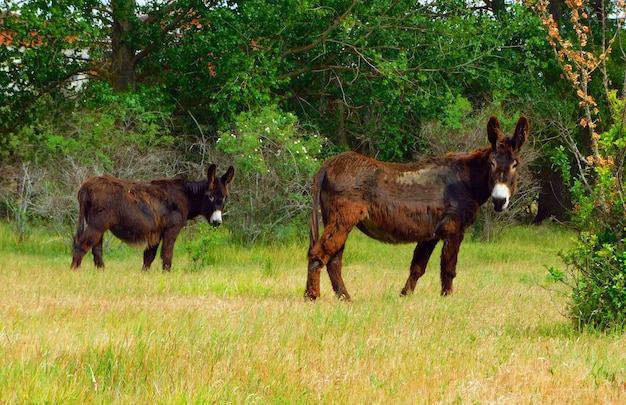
x=228, y=176
x=210, y=173
x=494, y=133
x=521, y=133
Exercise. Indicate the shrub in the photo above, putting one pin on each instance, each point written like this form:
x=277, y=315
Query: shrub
x=276, y=161
x=204, y=247
x=597, y=278
x=596, y=265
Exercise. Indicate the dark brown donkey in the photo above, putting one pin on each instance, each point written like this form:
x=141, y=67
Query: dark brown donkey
x=145, y=212
x=425, y=202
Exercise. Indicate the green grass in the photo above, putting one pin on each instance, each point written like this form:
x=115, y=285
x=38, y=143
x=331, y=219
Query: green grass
x=239, y=331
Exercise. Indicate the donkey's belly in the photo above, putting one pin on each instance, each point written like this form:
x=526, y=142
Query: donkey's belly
x=400, y=232
x=127, y=234
x=136, y=236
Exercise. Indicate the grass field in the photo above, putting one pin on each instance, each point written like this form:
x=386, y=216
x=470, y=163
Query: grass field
x=239, y=331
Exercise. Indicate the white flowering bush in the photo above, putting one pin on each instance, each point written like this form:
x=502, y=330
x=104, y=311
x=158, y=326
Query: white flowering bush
x=270, y=139
x=275, y=161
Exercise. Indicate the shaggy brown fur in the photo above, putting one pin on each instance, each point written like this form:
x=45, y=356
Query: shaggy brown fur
x=427, y=201
x=145, y=212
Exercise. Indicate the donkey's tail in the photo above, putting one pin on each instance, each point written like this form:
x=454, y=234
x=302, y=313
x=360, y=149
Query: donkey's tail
x=317, y=191
x=83, y=202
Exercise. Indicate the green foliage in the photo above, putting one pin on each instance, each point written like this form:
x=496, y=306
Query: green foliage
x=101, y=133
x=45, y=53
x=561, y=162
x=597, y=263
x=598, y=298
x=269, y=139
x=365, y=74
x=204, y=248
x=276, y=161
x=456, y=114
x=8, y=143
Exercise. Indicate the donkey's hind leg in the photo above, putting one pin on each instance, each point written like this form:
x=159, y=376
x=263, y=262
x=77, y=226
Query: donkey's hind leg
x=96, y=250
x=334, y=272
x=421, y=254
x=320, y=254
x=83, y=243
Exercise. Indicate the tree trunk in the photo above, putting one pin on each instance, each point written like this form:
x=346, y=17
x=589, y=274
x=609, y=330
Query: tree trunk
x=554, y=197
x=556, y=9
x=122, y=75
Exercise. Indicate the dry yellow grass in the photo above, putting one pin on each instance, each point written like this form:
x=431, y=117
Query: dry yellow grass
x=239, y=331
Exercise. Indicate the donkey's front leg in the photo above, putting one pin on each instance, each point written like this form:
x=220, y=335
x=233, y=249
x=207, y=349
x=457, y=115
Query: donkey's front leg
x=421, y=255
x=449, y=256
x=167, y=247
x=148, y=257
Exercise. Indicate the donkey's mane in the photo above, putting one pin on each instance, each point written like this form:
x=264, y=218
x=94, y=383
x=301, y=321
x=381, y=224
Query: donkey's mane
x=196, y=187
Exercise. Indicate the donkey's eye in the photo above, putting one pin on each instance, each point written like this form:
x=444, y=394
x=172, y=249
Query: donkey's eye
x=211, y=198
x=514, y=165
x=493, y=164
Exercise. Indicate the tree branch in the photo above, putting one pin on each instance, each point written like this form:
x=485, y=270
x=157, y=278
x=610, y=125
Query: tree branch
x=152, y=19
x=24, y=108
x=324, y=35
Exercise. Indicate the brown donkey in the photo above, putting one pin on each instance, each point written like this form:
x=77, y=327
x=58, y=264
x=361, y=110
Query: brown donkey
x=145, y=212
x=425, y=202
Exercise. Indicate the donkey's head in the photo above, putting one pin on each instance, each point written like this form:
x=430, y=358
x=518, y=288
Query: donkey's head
x=505, y=158
x=216, y=194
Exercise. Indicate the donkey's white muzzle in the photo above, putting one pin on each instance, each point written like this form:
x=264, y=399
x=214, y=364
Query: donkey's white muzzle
x=500, y=196
x=216, y=218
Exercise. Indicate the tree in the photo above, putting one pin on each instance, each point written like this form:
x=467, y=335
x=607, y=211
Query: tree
x=366, y=74
x=383, y=69
x=53, y=44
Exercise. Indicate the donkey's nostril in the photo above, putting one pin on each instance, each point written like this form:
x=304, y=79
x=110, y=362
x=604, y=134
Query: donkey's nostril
x=499, y=204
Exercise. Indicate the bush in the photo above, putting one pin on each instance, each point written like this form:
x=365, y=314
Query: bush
x=597, y=278
x=596, y=265
x=276, y=161
x=105, y=133
x=205, y=246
